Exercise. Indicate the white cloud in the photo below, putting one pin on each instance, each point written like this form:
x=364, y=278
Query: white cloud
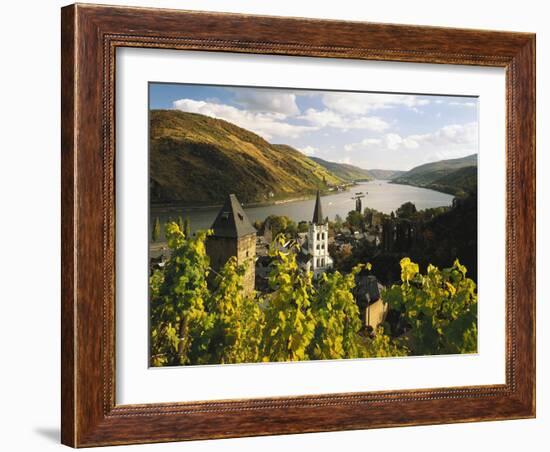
x=389, y=141
x=394, y=141
x=266, y=101
x=321, y=118
x=447, y=138
x=330, y=118
x=267, y=125
x=367, y=142
x=454, y=134
x=361, y=103
x=309, y=150
x=349, y=111
x=463, y=104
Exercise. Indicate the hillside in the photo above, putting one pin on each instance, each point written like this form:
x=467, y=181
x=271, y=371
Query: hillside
x=344, y=171
x=382, y=174
x=196, y=159
x=458, y=183
x=349, y=172
x=438, y=172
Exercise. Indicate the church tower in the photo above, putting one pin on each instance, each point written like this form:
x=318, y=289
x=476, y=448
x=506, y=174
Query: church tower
x=318, y=240
x=233, y=235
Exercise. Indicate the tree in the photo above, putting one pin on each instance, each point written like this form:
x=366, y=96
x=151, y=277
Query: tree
x=337, y=318
x=181, y=225
x=238, y=322
x=450, y=234
x=341, y=255
x=407, y=210
x=155, y=233
x=177, y=301
x=281, y=224
x=355, y=220
x=289, y=322
x=303, y=226
x=439, y=309
x=191, y=324
x=373, y=217
x=187, y=227
x=291, y=230
x=184, y=225
x=383, y=346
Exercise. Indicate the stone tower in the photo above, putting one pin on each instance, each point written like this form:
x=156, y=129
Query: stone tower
x=358, y=205
x=318, y=240
x=233, y=235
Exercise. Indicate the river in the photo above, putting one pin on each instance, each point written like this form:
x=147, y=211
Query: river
x=380, y=195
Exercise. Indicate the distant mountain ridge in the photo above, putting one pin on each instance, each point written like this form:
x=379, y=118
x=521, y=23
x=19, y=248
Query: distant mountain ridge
x=349, y=172
x=344, y=171
x=196, y=160
x=382, y=174
x=454, y=176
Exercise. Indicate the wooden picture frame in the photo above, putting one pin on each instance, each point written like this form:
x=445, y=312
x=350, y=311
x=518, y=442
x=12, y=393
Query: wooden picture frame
x=90, y=36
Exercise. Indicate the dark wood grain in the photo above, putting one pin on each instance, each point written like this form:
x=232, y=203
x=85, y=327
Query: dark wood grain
x=68, y=332
x=90, y=36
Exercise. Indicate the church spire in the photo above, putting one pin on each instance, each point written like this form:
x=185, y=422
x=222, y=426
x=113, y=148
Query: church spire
x=318, y=212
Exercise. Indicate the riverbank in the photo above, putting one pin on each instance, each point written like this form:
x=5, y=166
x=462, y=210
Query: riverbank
x=378, y=195
x=454, y=191
x=165, y=208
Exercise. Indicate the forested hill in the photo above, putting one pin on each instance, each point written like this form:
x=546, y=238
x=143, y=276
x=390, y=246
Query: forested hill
x=344, y=171
x=455, y=176
x=195, y=159
x=458, y=183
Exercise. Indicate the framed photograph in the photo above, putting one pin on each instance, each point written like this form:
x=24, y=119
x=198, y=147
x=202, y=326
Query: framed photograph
x=281, y=225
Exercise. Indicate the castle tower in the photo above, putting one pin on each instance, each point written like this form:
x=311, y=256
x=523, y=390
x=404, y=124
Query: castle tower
x=233, y=235
x=318, y=240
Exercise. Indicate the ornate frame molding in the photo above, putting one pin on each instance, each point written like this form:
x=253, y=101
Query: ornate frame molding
x=90, y=37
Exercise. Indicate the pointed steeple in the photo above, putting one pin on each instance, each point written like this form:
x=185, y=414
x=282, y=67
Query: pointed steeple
x=318, y=217
x=232, y=221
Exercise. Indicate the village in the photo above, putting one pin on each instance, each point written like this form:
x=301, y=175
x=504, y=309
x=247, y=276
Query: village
x=320, y=245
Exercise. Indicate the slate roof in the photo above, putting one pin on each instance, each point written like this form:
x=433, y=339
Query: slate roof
x=231, y=221
x=367, y=289
x=318, y=217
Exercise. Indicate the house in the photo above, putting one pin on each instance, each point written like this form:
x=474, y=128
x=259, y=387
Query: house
x=372, y=308
x=372, y=238
x=358, y=236
x=268, y=231
x=157, y=263
x=345, y=231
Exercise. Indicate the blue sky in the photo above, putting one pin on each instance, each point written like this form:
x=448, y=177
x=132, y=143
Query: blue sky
x=369, y=130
